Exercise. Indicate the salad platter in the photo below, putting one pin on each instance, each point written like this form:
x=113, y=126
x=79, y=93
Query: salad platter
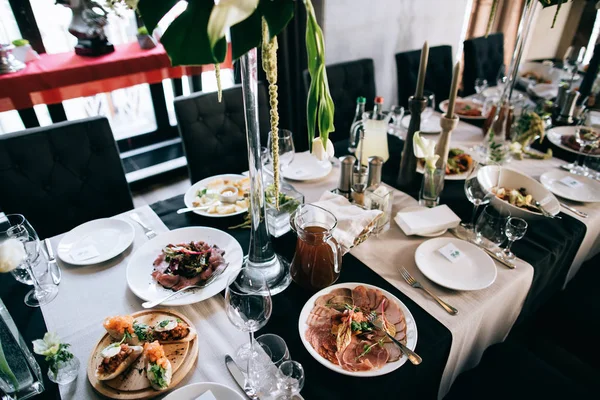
x=209, y=195
x=458, y=166
x=142, y=355
x=181, y=257
x=337, y=316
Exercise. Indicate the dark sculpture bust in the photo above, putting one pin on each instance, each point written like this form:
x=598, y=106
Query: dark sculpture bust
x=87, y=25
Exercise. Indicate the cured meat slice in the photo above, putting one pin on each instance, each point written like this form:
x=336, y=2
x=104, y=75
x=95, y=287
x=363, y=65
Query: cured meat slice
x=377, y=356
x=393, y=313
x=320, y=317
x=393, y=351
x=322, y=300
x=360, y=297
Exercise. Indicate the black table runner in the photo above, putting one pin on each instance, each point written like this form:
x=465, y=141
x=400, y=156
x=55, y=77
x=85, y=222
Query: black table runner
x=409, y=382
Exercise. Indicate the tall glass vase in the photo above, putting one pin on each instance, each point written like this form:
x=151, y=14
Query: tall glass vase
x=501, y=115
x=261, y=256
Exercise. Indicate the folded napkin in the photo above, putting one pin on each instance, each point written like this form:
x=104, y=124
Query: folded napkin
x=422, y=222
x=353, y=222
x=545, y=90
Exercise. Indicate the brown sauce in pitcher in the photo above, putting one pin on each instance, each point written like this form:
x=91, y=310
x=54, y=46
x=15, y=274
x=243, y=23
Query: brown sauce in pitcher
x=313, y=266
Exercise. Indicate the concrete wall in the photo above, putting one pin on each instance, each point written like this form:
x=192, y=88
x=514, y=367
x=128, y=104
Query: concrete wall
x=379, y=29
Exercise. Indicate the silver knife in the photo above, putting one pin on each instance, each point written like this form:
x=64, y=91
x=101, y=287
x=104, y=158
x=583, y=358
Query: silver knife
x=489, y=252
x=239, y=377
x=53, y=267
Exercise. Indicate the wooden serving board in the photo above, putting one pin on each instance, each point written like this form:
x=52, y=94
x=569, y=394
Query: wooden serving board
x=133, y=383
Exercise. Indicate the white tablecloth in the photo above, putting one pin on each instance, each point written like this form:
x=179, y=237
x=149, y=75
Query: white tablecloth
x=89, y=294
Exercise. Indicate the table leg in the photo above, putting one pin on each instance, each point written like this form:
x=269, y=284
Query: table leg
x=177, y=87
x=160, y=106
x=29, y=118
x=195, y=83
x=57, y=112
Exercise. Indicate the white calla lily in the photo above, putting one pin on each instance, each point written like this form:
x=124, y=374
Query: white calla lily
x=227, y=13
x=47, y=346
x=425, y=148
x=12, y=254
x=322, y=153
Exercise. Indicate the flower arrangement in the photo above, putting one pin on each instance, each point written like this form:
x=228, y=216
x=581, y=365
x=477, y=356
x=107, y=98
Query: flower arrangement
x=12, y=254
x=55, y=351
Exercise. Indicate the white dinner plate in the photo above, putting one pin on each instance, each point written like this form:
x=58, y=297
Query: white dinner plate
x=306, y=167
x=476, y=271
x=139, y=268
x=587, y=192
x=555, y=134
x=444, y=108
x=430, y=126
x=195, y=390
x=95, y=241
x=411, y=332
x=190, y=195
x=419, y=208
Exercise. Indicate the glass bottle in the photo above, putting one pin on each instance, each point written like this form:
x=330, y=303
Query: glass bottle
x=378, y=196
x=378, y=109
x=360, y=110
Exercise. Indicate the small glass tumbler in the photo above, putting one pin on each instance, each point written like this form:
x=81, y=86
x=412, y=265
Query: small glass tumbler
x=380, y=198
x=431, y=187
x=64, y=372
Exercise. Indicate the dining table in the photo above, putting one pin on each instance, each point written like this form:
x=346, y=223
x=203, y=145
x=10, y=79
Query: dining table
x=548, y=256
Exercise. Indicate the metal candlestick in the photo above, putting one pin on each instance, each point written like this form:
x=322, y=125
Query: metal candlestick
x=407, y=175
x=443, y=145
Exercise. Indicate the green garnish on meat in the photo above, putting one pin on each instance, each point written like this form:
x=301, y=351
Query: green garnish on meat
x=164, y=323
x=142, y=331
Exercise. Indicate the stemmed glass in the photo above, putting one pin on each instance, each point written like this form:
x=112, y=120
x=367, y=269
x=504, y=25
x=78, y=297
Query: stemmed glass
x=501, y=78
x=286, y=148
x=515, y=230
x=395, y=127
x=291, y=379
x=490, y=227
x=587, y=138
x=248, y=306
x=428, y=111
x=476, y=194
x=480, y=85
x=573, y=59
x=15, y=226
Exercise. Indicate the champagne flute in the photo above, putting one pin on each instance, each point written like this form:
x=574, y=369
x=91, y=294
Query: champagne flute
x=248, y=306
x=515, y=230
x=286, y=148
x=15, y=226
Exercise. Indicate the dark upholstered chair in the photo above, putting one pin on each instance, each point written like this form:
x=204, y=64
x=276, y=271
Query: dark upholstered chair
x=214, y=134
x=483, y=59
x=439, y=73
x=63, y=175
x=347, y=81
x=591, y=73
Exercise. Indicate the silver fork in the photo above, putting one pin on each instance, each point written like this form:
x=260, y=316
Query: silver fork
x=216, y=273
x=378, y=323
x=416, y=284
x=147, y=231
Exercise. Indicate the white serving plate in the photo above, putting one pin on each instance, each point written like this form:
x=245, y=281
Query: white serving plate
x=589, y=192
x=477, y=271
x=555, y=134
x=430, y=126
x=511, y=179
x=108, y=236
x=195, y=390
x=190, y=195
x=411, y=332
x=455, y=177
x=139, y=268
x=444, y=108
x=306, y=167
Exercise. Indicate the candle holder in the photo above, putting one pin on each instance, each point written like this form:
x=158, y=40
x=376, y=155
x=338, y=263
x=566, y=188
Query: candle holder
x=407, y=175
x=443, y=145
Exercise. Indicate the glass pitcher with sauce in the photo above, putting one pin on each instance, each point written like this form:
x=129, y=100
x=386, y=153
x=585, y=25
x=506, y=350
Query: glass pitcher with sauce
x=318, y=259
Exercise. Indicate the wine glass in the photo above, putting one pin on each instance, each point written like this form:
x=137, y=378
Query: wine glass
x=291, y=379
x=572, y=59
x=15, y=226
x=515, y=230
x=395, y=127
x=480, y=85
x=476, y=194
x=587, y=138
x=430, y=107
x=286, y=148
x=248, y=306
x=490, y=227
x=501, y=78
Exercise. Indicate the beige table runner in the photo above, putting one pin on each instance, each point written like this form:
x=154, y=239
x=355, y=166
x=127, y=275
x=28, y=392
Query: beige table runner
x=89, y=294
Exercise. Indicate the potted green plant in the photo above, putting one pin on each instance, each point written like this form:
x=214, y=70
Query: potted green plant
x=145, y=40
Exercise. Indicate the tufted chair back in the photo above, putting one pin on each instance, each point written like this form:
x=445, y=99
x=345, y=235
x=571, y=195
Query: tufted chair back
x=483, y=59
x=347, y=81
x=62, y=175
x=439, y=73
x=214, y=134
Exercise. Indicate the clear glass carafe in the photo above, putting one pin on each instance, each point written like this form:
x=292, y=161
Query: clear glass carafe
x=317, y=261
x=370, y=135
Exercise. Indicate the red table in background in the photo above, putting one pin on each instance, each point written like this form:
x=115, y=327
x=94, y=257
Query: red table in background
x=57, y=77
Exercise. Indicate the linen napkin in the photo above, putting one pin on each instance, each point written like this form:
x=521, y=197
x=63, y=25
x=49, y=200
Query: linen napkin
x=545, y=90
x=422, y=222
x=353, y=222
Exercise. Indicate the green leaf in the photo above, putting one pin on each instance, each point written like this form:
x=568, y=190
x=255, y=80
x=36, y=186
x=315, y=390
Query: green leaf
x=246, y=35
x=312, y=105
x=186, y=40
x=152, y=11
x=277, y=14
